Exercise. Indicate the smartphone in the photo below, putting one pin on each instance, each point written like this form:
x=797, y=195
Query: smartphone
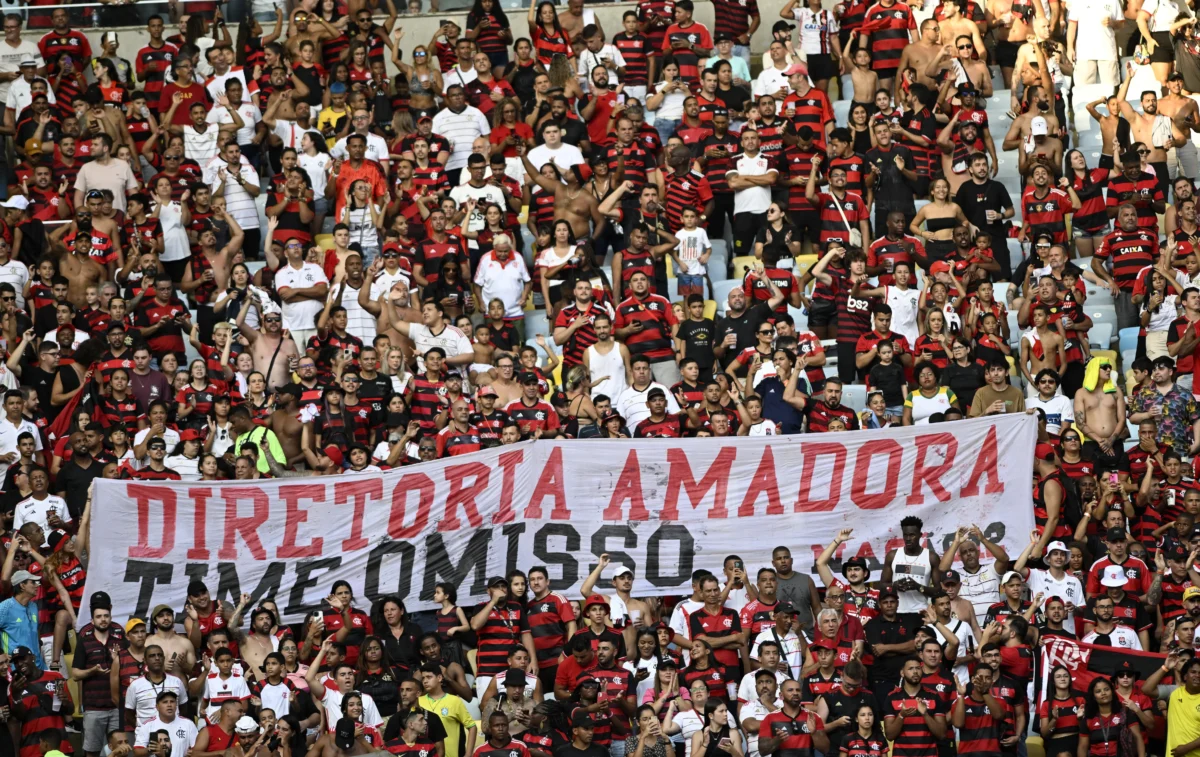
x=738, y=564
x=1112, y=478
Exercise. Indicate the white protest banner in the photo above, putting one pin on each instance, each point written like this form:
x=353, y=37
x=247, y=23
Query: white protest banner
x=663, y=507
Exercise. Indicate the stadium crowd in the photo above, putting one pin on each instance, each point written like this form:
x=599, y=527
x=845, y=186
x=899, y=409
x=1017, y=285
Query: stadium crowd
x=300, y=249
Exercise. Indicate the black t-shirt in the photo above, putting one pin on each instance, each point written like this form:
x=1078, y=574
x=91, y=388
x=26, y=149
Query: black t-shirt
x=976, y=199
x=570, y=750
x=778, y=242
x=574, y=131
x=964, y=382
x=892, y=190
x=73, y=481
x=42, y=382
x=735, y=98
x=878, y=630
x=744, y=326
x=698, y=336
x=889, y=379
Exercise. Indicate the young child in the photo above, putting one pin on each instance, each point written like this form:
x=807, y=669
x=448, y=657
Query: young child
x=866, y=81
x=528, y=359
x=888, y=376
x=452, y=622
x=691, y=255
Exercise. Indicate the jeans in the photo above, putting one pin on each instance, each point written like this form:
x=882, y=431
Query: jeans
x=665, y=128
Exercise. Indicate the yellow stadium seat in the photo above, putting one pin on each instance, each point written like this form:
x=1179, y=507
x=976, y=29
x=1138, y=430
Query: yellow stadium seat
x=710, y=309
x=741, y=263
x=324, y=241
x=803, y=263
x=670, y=267
x=1034, y=747
x=1110, y=354
x=1012, y=366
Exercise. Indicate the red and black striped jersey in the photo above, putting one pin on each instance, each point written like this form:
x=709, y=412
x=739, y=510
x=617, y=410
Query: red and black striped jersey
x=453, y=441
x=689, y=62
x=812, y=110
x=430, y=179
x=855, y=745
x=887, y=252
x=662, y=10
x=541, y=205
x=891, y=23
x=854, y=166
x=422, y=747
x=771, y=136
x=816, y=685
x=715, y=677
x=723, y=624
x=635, y=49
x=638, y=164
x=1067, y=712
x=538, y=416
x=716, y=166
x=616, y=684
x=490, y=425
x=149, y=474
x=853, y=316
x=797, y=738
x=546, y=46
x=1103, y=731
x=1046, y=212
x=426, y=400
x=151, y=65
x=585, y=336
x=839, y=216
x=658, y=319
x=796, y=164
x=431, y=252
x=1131, y=251
x=708, y=107
x=670, y=426
x=1091, y=215
x=981, y=731
x=125, y=412
x=1143, y=192
x=820, y=413
x=758, y=290
x=41, y=712
x=513, y=748
x=689, y=190
x=733, y=16
x=447, y=58
x=915, y=739
x=500, y=632
x=548, y=619
x=487, y=39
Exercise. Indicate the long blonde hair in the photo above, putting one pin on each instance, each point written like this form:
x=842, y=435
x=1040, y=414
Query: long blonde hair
x=560, y=71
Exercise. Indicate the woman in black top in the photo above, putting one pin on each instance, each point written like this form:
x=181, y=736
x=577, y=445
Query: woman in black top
x=717, y=739
x=963, y=375
x=777, y=235
x=860, y=128
x=378, y=677
x=389, y=618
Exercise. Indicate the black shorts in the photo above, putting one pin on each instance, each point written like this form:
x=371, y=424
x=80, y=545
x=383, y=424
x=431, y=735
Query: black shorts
x=822, y=312
x=1006, y=54
x=1164, y=48
x=1068, y=745
x=1106, y=161
x=822, y=67
x=807, y=223
x=1091, y=451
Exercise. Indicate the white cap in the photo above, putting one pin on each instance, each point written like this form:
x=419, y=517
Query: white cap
x=1114, y=577
x=1038, y=127
x=17, y=202
x=246, y=725
x=1010, y=575
x=622, y=570
x=1056, y=546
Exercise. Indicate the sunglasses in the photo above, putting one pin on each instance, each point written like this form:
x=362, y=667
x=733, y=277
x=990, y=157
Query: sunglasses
x=1143, y=152
x=966, y=47
x=272, y=319
x=766, y=333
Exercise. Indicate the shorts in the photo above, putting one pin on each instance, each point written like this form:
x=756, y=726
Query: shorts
x=1078, y=233
x=96, y=726
x=1164, y=48
x=869, y=106
x=498, y=59
x=690, y=284
x=807, y=223
x=822, y=312
x=822, y=67
x=1068, y=745
x=1006, y=54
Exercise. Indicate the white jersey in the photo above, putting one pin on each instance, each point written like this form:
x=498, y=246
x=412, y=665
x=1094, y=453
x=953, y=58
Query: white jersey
x=981, y=589
x=610, y=367
x=38, y=511
x=1069, y=588
x=450, y=339
x=966, y=639
x=333, y=708
x=1122, y=637
x=903, y=303
x=1058, y=409
x=142, y=695
x=183, y=734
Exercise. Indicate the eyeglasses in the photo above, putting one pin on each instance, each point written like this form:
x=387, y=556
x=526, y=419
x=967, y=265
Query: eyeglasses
x=1143, y=152
x=307, y=366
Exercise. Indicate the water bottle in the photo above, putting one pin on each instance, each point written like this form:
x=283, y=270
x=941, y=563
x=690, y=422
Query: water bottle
x=95, y=18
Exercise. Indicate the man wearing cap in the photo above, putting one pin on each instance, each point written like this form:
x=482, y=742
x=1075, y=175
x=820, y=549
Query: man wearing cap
x=1012, y=587
x=595, y=628
x=40, y=699
x=19, y=616
x=500, y=623
x=532, y=413
x=582, y=733
x=1137, y=576
x=1047, y=149
x=624, y=611
x=1054, y=580
x=765, y=687
x=889, y=639
x=1102, y=626
x=1126, y=610
x=861, y=601
x=179, y=653
x=784, y=633
x=345, y=740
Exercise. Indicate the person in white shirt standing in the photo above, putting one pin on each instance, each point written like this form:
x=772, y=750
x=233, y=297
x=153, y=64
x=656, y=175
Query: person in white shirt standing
x=1059, y=409
x=251, y=117
x=1092, y=40
x=14, y=273
x=751, y=179
x=13, y=50
x=1054, y=581
x=500, y=275
x=40, y=504
x=302, y=287
x=460, y=124
x=230, y=175
x=553, y=148
x=377, y=147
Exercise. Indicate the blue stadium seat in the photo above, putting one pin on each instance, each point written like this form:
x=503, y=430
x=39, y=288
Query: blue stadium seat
x=1100, y=336
x=1128, y=339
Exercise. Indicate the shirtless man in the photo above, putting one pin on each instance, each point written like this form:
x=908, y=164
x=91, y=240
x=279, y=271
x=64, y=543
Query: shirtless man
x=572, y=21
x=302, y=33
x=920, y=54
x=1142, y=126
x=1100, y=417
x=1042, y=107
x=217, y=262
x=275, y=355
x=285, y=422
x=1183, y=112
x=1041, y=347
x=502, y=378
x=282, y=102
x=571, y=201
x=958, y=58
x=260, y=642
x=80, y=270
x=178, y=651
x=1047, y=149
x=954, y=25
x=1108, y=128
x=958, y=141
x=1010, y=29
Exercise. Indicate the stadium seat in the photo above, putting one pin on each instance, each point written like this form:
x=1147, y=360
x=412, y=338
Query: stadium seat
x=854, y=396
x=1127, y=339
x=721, y=290
x=841, y=111
x=1110, y=354
x=1014, y=329
x=710, y=309
x=803, y=263
x=1000, y=291
x=672, y=289
x=1015, y=252
x=324, y=241
x=741, y=263
x=542, y=354
x=537, y=322
x=1100, y=336
x=1127, y=358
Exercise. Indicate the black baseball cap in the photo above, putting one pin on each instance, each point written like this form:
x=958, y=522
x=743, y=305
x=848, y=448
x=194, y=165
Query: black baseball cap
x=527, y=377
x=1116, y=533
x=343, y=735
x=951, y=577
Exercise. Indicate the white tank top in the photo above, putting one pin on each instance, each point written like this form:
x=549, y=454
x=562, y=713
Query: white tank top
x=915, y=567
x=610, y=365
x=981, y=589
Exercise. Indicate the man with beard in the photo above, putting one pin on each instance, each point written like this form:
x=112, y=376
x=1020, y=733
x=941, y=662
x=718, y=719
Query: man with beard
x=1107, y=631
x=1142, y=127
x=75, y=476
x=986, y=204
x=273, y=354
x=98, y=651
x=784, y=732
x=980, y=583
x=259, y=642
x=1054, y=580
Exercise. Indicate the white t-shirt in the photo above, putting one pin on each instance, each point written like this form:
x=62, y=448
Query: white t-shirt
x=300, y=315
x=384, y=282
x=250, y=114
x=38, y=511
x=451, y=340
x=752, y=199
x=333, y=708
x=217, y=691
x=752, y=710
x=790, y=652
x=201, y=146
x=692, y=244
x=1163, y=13
x=488, y=193
x=564, y=156
x=314, y=166
x=815, y=30
x=671, y=108
x=169, y=435
x=963, y=631
x=588, y=60
x=11, y=57
x=1058, y=409
x=747, y=691
x=142, y=696
x=632, y=407
x=689, y=723
x=1095, y=40
x=1122, y=637
x=377, y=150
x=1069, y=588
x=20, y=95
x=16, y=274
x=903, y=303
x=183, y=734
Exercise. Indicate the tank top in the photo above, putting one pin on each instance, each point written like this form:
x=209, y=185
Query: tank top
x=610, y=365
x=915, y=567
